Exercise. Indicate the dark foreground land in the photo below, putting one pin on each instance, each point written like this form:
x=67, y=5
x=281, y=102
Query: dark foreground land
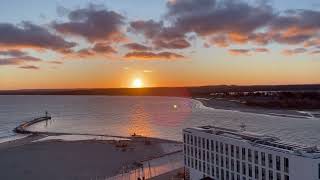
x=68, y=160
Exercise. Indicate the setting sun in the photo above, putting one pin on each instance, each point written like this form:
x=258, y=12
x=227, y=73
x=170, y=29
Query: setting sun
x=137, y=83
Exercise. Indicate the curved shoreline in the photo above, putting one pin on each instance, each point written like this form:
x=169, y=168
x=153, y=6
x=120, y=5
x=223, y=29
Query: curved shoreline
x=22, y=129
x=215, y=104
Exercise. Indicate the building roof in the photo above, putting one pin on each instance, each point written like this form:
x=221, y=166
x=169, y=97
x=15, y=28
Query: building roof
x=262, y=140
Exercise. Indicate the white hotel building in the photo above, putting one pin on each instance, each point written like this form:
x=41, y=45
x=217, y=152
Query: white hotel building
x=227, y=154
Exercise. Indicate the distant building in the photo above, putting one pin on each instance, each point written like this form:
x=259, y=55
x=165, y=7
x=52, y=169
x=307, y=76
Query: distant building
x=227, y=154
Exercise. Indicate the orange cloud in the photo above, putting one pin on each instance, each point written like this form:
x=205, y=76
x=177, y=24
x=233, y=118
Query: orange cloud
x=153, y=56
x=237, y=52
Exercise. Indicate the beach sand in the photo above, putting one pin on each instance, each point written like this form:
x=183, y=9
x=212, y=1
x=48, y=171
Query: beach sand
x=28, y=159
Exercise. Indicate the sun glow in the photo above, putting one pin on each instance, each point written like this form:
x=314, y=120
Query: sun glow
x=137, y=83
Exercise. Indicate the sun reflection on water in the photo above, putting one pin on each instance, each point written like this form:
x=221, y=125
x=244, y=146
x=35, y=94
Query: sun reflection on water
x=139, y=123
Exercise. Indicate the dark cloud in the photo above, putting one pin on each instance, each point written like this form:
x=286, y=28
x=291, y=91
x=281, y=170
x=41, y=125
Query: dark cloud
x=153, y=56
x=160, y=36
x=97, y=49
x=28, y=35
x=55, y=62
x=148, y=28
x=103, y=48
x=228, y=22
x=29, y=67
x=290, y=52
x=94, y=24
x=315, y=52
x=260, y=50
x=12, y=52
x=136, y=47
x=247, y=52
x=220, y=41
x=237, y=52
x=208, y=17
x=18, y=60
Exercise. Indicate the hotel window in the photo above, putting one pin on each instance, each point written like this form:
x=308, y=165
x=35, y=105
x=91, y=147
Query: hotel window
x=232, y=165
x=227, y=175
x=217, y=146
x=195, y=152
x=286, y=165
x=207, y=144
x=188, y=161
x=256, y=157
x=227, y=163
x=249, y=155
x=208, y=169
x=232, y=150
x=278, y=176
x=237, y=152
x=232, y=176
x=286, y=177
x=191, y=140
x=196, y=164
x=217, y=172
x=278, y=163
x=222, y=163
x=238, y=166
x=256, y=172
x=270, y=175
x=217, y=159
x=204, y=167
x=192, y=152
x=208, y=158
x=184, y=138
x=185, y=160
x=319, y=171
x=212, y=158
x=222, y=174
x=227, y=149
x=203, y=144
x=238, y=177
x=192, y=163
x=244, y=168
x=188, y=150
x=263, y=173
x=263, y=158
x=212, y=145
x=187, y=138
x=199, y=153
x=221, y=148
x=270, y=160
x=195, y=140
x=203, y=155
x=199, y=142
x=212, y=171
x=243, y=153
x=250, y=170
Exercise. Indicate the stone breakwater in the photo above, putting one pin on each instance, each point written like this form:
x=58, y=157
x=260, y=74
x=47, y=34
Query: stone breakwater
x=22, y=128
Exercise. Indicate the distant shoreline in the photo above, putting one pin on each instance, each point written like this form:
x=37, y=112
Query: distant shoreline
x=224, y=104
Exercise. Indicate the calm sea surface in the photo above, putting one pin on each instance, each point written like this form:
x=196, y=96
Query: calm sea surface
x=163, y=117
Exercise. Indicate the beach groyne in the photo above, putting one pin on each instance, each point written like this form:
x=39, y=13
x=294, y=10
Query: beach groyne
x=22, y=128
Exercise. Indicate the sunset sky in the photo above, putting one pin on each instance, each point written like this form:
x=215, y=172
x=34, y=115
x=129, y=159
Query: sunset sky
x=126, y=43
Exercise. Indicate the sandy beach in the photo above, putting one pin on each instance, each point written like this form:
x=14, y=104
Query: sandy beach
x=30, y=159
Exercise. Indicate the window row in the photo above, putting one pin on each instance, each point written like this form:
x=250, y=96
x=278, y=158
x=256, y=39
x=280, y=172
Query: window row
x=250, y=171
x=247, y=154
